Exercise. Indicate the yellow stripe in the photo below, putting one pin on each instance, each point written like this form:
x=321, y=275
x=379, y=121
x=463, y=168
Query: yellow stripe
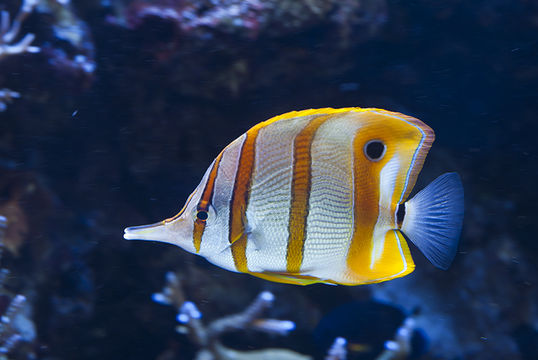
x=300, y=194
x=239, y=201
x=203, y=205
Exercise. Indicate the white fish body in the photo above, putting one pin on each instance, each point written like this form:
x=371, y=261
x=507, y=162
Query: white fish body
x=314, y=196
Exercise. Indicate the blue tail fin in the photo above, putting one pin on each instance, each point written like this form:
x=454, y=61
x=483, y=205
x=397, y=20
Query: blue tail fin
x=433, y=219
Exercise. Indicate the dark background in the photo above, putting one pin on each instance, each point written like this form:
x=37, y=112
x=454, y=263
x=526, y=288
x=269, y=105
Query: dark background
x=126, y=105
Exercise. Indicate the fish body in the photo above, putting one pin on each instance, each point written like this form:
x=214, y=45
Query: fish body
x=319, y=195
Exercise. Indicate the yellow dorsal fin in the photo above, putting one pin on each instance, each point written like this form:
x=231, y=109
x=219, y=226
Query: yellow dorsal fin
x=322, y=111
x=330, y=111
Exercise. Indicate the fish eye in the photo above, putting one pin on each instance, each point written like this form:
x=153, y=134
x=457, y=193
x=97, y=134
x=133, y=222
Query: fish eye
x=374, y=150
x=202, y=215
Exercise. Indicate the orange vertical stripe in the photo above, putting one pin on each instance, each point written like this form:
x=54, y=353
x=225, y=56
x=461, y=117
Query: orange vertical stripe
x=239, y=201
x=203, y=205
x=300, y=193
x=366, y=207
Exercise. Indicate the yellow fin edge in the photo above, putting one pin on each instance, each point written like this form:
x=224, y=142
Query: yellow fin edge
x=330, y=111
x=322, y=111
x=288, y=278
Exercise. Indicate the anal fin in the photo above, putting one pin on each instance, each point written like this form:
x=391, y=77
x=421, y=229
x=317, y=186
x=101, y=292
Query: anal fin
x=393, y=261
x=285, y=278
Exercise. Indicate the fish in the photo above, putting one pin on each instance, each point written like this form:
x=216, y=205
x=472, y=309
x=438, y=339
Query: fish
x=320, y=196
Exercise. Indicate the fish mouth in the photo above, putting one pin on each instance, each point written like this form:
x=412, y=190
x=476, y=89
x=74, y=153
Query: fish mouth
x=156, y=232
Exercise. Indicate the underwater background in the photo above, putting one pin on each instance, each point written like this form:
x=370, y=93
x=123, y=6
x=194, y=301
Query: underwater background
x=112, y=110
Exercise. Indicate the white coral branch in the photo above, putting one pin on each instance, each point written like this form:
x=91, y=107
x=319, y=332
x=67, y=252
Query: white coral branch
x=7, y=96
x=207, y=336
x=9, y=333
x=400, y=347
x=8, y=32
x=338, y=350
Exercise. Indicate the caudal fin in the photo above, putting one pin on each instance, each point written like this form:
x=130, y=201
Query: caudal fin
x=433, y=219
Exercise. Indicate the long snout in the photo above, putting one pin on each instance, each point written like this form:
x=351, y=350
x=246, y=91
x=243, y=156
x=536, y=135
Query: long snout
x=155, y=232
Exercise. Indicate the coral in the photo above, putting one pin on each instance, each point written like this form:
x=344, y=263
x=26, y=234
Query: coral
x=6, y=97
x=180, y=35
x=400, y=347
x=15, y=323
x=338, y=350
x=206, y=337
x=404, y=341
x=3, y=226
x=8, y=34
x=16, y=233
x=252, y=18
x=77, y=59
x=65, y=52
x=21, y=193
x=10, y=334
x=50, y=271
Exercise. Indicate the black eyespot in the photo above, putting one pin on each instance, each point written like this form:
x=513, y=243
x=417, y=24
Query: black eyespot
x=202, y=215
x=400, y=214
x=374, y=150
